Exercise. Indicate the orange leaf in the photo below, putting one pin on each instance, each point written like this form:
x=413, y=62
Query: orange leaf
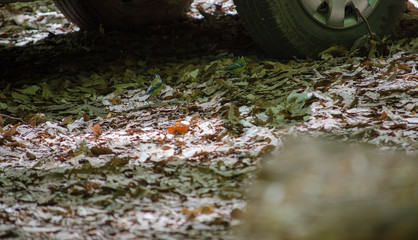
x=179, y=127
x=10, y=132
x=197, y=211
x=96, y=130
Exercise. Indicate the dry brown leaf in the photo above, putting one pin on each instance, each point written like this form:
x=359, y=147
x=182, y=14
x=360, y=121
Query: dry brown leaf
x=165, y=147
x=100, y=150
x=207, y=209
x=15, y=144
x=67, y=120
x=86, y=117
x=383, y=116
x=36, y=118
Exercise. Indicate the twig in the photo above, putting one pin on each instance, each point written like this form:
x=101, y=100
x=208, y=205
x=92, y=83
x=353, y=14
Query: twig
x=372, y=35
x=15, y=118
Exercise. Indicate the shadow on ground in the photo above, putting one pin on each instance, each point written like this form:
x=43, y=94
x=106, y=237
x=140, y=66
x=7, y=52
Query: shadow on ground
x=69, y=54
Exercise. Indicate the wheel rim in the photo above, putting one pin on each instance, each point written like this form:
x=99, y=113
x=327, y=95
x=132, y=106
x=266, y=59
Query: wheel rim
x=338, y=13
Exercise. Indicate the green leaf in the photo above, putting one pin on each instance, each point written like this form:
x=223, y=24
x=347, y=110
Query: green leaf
x=29, y=90
x=46, y=92
x=3, y=105
x=20, y=97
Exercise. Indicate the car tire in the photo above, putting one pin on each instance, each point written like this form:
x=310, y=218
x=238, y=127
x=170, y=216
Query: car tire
x=287, y=28
x=121, y=14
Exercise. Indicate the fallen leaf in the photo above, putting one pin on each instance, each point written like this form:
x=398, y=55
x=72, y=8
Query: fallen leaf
x=35, y=119
x=207, y=209
x=165, y=147
x=67, y=120
x=10, y=132
x=335, y=51
x=101, y=150
x=178, y=127
x=96, y=130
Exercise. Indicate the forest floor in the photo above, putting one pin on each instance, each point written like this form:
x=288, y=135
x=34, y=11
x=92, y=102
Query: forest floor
x=84, y=155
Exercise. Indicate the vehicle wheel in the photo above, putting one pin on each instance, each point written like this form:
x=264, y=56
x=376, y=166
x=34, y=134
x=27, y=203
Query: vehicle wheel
x=121, y=14
x=287, y=28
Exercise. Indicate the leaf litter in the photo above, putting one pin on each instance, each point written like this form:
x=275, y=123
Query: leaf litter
x=80, y=146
